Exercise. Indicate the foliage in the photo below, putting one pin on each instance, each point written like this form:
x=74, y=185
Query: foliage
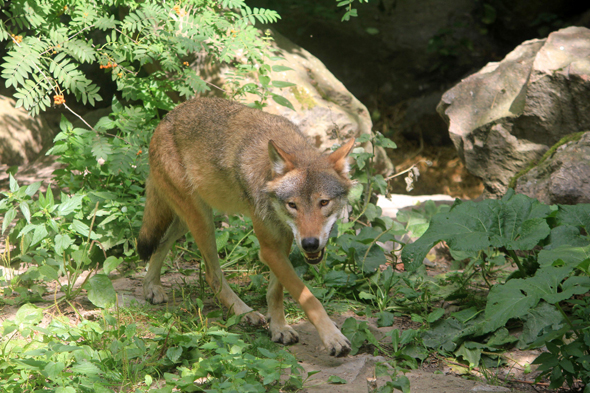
x=145, y=48
x=97, y=356
x=350, y=12
x=550, y=246
x=52, y=39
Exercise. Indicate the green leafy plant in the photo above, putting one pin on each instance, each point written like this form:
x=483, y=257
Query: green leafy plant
x=144, y=48
x=550, y=247
x=348, y=6
x=97, y=356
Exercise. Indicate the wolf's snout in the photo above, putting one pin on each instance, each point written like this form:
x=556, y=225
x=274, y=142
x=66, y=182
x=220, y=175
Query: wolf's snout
x=310, y=244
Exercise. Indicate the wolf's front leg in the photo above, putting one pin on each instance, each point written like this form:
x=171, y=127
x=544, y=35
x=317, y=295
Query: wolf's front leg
x=280, y=331
x=273, y=254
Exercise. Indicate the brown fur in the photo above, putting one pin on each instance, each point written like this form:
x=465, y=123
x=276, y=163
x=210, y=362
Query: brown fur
x=213, y=153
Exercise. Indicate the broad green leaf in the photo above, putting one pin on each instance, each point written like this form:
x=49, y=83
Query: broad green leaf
x=372, y=212
x=282, y=84
x=67, y=389
x=507, y=301
x=29, y=314
x=86, y=368
x=8, y=217
x=221, y=240
x=69, y=205
x=435, y=315
x=338, y=278
x=24, y=208
x=385, y=142
x=516, y=222
x=267, y=353
x=471, y=355
x=570, y=255
x=515, y=298
x=53, y=369
x=367, y=259
x=443, y=334
x=385, y=318
x=530, y=233
x=98, y=388
x=401, y=383
x=366, y=295
x=576, y=285
x=280, y=68
x=368, y=234
x=61, y=243
x=500, y=338
x=12, y=183
x=100, y=291
x=174, y=353
x=575, y=215
x=111, y=264
x=82, y=229
x=33, y=188
x=334, y=379
x=39, y=234
x=543, y=316
x=566, y=235
x=282, y=101
x=48, y=272
x=353, y=330
x=466, y=315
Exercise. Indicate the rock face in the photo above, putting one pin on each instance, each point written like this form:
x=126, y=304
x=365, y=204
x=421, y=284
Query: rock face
x=325, y=110
x=22, y=137
x=562, y=178
x=509, y=113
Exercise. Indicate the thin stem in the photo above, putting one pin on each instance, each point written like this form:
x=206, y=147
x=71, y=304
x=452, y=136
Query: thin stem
x=517, y=261
x=567, y=319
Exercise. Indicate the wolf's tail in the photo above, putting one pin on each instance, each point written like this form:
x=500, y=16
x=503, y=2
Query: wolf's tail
x=157, y=217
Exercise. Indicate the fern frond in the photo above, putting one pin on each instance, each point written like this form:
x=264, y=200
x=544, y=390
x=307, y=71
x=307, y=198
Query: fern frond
x=80, y=50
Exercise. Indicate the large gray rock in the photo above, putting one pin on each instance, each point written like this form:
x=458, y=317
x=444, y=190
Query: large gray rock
x=22, y=137
x=325, y=110
x=562, y=178
x=509, y=113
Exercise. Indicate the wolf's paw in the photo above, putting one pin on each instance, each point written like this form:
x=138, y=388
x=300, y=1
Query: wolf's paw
x=337, y=344
x=154, y=293
x=284, y=334
x=254, y=318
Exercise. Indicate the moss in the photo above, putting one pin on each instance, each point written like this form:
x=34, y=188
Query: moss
x=548, y=154
x=303, y=97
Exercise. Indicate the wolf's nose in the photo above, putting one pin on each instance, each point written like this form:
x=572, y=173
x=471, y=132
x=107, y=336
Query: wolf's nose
x=310, y=244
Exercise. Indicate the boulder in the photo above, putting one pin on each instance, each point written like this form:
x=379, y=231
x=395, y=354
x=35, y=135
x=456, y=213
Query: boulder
x=563, y=177
x=22, y=137
x=325, y=110
x=509, y=113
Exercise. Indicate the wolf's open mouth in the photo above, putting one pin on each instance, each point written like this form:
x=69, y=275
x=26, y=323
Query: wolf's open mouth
x=313, y=258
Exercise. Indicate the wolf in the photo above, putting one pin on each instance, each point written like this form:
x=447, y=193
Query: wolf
x=211, y=153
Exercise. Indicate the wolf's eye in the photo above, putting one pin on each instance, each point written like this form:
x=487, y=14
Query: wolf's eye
x=324, y=202
x=292, y=205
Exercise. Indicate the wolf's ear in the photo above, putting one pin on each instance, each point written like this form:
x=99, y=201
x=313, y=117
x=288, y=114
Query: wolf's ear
x=339, y=158
x=281, y=160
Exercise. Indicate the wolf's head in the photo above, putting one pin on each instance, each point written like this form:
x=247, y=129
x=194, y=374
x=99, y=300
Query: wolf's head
x=308, y=193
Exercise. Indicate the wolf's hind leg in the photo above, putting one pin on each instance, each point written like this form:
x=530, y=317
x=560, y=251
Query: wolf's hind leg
x=152, y=289
x=199, y=219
